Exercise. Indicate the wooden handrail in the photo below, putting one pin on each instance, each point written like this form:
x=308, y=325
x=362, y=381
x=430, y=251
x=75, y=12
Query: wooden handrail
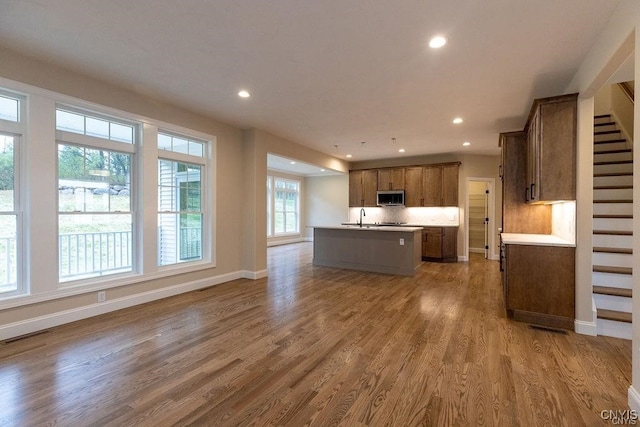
x=626, y=88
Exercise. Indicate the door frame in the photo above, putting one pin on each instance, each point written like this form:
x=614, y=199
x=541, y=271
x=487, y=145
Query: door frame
x=491, y=182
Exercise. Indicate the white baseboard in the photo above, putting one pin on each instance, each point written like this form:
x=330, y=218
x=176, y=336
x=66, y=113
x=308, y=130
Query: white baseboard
x=462, y=258
x=308, y=239
x=633, y=399
x=39, y=323
x=254, y=275
x=285, y=241
x=585, y=328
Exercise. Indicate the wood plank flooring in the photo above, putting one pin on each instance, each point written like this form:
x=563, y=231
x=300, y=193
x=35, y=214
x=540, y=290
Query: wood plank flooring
x=317, y=346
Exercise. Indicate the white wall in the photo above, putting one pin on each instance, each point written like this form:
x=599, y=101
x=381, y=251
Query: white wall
x=327, y=201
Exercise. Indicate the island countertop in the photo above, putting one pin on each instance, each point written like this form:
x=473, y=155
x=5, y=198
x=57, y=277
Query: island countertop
x=373, y=227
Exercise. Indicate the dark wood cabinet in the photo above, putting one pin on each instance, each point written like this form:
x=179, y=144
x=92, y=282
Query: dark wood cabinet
x=431, y=185
x=539, y=284
x=391, y=179
x=440, y=244
x=413, y=187
x=551, y=155
x=450, y=185
x=363, y=185
x=518, y=216
x=427, y=185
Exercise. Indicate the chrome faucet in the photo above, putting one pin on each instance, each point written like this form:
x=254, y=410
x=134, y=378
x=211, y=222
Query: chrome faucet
x=362, y=213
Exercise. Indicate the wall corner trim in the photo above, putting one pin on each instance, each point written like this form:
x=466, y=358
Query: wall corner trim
x=634, y=399
x=254, y=275
x=586, y=328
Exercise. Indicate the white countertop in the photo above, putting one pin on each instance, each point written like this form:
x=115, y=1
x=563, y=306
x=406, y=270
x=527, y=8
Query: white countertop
x=535, y=239
x=401, y=225
x=366, y=227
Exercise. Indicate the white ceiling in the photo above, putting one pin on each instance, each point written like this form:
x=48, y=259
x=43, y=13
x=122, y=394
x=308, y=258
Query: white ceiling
x=330, y=72
x=296, y=167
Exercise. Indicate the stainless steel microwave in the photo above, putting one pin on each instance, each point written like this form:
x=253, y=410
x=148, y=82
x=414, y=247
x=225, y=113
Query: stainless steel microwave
x=390, y=198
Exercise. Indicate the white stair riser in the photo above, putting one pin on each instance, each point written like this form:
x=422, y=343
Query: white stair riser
x=610, y=302
x=610, y=328
x=613, y=180
x=613, y=208
x=609, y=157
x=612, y=260
x=613, y=194
x=614, y=280
x=618, y=224
x=625, y=167
x=608, y=241
x=610, y=146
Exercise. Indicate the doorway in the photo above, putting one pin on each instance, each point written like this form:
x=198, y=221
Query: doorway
x=480, y=217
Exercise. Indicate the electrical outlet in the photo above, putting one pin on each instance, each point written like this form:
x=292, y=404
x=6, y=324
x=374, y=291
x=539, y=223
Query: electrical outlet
x=102, y=295
x=401, y=242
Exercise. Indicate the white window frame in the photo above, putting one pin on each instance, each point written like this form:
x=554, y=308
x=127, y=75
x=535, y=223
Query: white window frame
x=92, y=142
x=206, y=189
x=37, y=181
x=271, y=194
x=18, y=131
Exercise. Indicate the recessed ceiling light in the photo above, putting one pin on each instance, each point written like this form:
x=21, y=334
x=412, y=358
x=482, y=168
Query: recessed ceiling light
x=293, y=163
x=437, y=42
x=244, y=94
x=349, y=156
x=466, y=143
x=321, y=170
x=457, y=120
x=401, y=150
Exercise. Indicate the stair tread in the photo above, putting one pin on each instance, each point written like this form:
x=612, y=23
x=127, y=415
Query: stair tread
x=614, y=232
x=619, y=316
x=600, y=175
x=604, y=249
x=613, y=162
x=613, y=216
x=614, y=201
x=616, y=292
x=614, y=270
x=612, y=187
x=610, y=141
x=618, y=151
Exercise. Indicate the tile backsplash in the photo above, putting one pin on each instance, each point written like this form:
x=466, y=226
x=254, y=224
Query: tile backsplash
x=420, y=216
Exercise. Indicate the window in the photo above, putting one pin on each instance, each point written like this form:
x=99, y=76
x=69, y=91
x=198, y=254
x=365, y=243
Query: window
x=283, y=206
x=11, y=129
x=95, y=215
x=8, y=214
x=180, y=200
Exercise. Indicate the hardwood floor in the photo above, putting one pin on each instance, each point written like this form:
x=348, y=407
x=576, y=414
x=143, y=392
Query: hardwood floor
x=320, y=346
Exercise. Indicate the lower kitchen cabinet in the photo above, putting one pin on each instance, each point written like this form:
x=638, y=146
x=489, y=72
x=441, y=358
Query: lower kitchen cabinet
x=440, y=244
x=539, y=284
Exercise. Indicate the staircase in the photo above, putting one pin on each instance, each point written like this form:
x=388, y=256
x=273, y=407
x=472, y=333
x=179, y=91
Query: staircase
x=612, y=228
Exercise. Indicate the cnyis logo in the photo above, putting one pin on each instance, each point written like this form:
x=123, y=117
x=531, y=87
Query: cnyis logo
x=620, y=417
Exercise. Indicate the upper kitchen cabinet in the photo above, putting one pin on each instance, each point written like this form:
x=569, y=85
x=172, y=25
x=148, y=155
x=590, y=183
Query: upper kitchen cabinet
x=413, y=188
x=391, y=179
x=551, y=149
x=431, y=185
x=517, y=215
x=440, y=184
x=363, y=185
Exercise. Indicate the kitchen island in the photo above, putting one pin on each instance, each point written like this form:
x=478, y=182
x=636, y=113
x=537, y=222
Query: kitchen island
x=379, y=249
